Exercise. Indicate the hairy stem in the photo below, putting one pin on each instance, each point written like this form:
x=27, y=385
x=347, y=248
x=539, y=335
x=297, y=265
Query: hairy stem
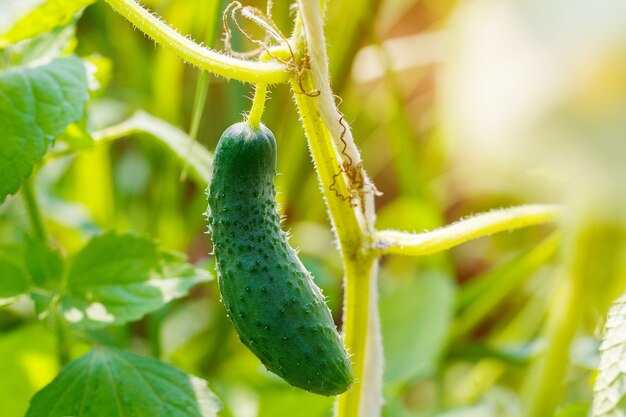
x=362, y=338
x=341, y=134
x=480, y=225
x=258, y=105
x=346, y=223
x=195, y=54
x=360, y=280
x=351, y=207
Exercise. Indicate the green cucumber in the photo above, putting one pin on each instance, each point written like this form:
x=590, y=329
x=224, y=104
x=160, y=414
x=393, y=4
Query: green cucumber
x=276, y=308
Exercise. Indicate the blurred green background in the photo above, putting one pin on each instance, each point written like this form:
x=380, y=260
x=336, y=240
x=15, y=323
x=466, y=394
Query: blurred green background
x=442, y=97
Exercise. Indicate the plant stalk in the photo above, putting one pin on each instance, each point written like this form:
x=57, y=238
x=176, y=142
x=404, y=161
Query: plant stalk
x=34, y=213
x=351, y=208
x=36, y=219
x=60, y=329
x=258, y=105
x=200, y=56
x=546, y=381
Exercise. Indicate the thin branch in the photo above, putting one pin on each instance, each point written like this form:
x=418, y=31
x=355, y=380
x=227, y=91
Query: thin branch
x=485, y=224
x=203, y=57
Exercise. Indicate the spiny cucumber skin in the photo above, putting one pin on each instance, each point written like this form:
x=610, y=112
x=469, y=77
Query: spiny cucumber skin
x=276, y=308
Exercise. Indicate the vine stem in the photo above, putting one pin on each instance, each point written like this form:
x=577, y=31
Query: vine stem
x=480, y=225
x=36, y=219
x=258, y=105
x=200, y=56
x=34, y=213
x=360, y=269
x=352, y=218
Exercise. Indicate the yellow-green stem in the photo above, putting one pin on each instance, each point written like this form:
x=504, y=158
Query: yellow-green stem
x=32, y=207
x=357, y=313
x=357, y=261
x=353, y=220
x=545, y=383
x=205, y=58
x=480, y=225
x=258, y=105
x=334, y=187
x=36, y=219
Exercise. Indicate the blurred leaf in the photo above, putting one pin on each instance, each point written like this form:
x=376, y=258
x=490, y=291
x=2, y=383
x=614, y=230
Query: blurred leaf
x=120, y=278
x=415, y=322
x=294, y=402
x=28, y=363
x=13, y=279
x=485, y=292
x=109, y=382
x=411, y=214
x=574, y=410
x=103, y=68
x=196, y=157
x=610, y=388
x=497, y=402
x=603, y=245
x=36, y=106
x=481, y=410
x=76, y=137
x=42, y=48
x=44, y=265
x=26, y=19
x=396, y=408
x=180, y=327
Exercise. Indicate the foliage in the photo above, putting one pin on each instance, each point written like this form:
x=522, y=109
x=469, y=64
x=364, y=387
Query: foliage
x=111, y=382
x=107, y=303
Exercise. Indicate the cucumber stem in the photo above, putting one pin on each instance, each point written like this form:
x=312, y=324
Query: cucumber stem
x=258, y=105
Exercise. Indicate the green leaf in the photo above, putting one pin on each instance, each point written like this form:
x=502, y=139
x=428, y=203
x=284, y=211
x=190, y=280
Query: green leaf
x=43, y=48
x=44, y=265
x=109, y=382
x=610, y=388
x=415, y=320
x=24, y=19
x=120, y=278
x=194, y=155
x=13, y=279
x=36, y=105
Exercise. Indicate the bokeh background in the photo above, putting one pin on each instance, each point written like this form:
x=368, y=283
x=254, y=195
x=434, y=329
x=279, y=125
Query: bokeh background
x=457, y=107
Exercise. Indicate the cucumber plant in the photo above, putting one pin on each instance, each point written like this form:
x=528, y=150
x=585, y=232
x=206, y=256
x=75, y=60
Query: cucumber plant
x=272, y=300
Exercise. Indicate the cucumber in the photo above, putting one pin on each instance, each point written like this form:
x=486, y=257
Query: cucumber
x=272, y=300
